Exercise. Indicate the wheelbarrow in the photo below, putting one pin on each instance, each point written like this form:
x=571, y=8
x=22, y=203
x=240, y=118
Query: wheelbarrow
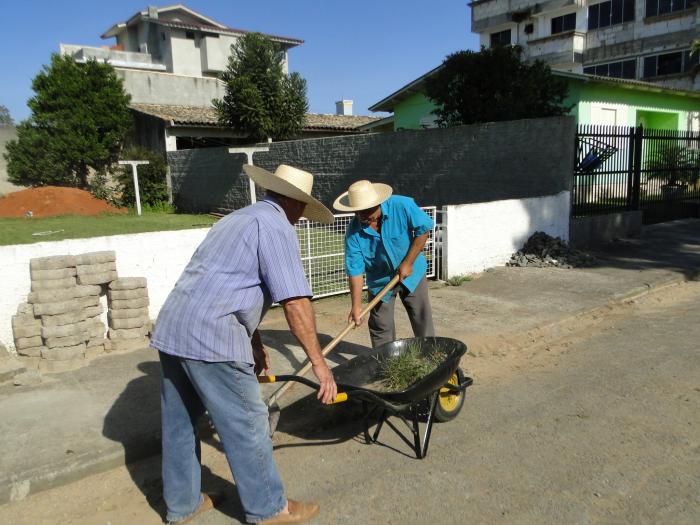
x=441, y=392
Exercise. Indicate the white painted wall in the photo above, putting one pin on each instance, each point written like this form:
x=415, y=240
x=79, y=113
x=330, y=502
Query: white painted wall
x=483, y=235
x=158, y=256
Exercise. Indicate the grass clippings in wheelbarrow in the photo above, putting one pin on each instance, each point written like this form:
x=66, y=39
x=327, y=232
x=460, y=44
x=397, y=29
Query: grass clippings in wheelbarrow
x=401, y=371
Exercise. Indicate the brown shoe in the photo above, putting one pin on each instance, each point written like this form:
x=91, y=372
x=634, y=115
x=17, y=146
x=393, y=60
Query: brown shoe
x=208, y=503
x=299, y=512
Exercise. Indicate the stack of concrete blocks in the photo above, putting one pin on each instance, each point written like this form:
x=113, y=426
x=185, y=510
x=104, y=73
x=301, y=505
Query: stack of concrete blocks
x=129, y=322
x=60, y=325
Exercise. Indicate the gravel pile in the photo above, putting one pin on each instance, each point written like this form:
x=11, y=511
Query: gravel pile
x=543, y=251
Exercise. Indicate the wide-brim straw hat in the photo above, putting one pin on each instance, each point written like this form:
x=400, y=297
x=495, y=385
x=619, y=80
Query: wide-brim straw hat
x=363, y=195
x=293, y=183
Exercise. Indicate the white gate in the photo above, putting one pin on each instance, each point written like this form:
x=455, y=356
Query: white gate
x=323, y=253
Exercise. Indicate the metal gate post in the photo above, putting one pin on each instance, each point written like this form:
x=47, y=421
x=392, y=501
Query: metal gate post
x=637, y=166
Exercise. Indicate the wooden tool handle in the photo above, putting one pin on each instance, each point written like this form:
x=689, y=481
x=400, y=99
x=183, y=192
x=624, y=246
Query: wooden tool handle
x=338, y=338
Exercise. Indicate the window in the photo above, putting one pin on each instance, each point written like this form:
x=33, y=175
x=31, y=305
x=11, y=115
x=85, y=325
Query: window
x=669, y=64
x=610, y=13
x=563, y=23
x=662, y=7
x=622, y=69
x=502, y=38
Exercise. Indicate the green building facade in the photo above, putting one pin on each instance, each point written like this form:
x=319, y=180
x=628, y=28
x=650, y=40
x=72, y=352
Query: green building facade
x=595, y=100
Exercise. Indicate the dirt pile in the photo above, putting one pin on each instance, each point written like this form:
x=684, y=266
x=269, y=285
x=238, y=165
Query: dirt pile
x=49, y=201
x=542, y=250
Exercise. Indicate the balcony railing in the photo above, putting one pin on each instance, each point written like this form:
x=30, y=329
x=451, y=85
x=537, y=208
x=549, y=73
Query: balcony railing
x=128, y=59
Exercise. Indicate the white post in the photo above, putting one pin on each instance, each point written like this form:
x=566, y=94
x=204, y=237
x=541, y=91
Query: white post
x=133, y=164
x=249, y=150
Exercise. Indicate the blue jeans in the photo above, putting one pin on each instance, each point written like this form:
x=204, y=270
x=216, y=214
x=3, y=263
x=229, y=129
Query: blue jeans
x=229, y=391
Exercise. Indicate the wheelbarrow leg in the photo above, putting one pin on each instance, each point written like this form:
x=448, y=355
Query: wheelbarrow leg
x=432, y=403
x=380, y=423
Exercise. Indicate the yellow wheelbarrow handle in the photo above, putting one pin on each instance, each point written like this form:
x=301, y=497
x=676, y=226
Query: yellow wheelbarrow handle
x=340, y=397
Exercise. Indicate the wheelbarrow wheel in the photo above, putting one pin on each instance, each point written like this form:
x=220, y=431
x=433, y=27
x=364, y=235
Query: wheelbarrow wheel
x=449, y=403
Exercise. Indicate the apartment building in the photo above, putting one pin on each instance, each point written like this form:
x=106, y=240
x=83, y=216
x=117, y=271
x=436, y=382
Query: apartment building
x=632, y=39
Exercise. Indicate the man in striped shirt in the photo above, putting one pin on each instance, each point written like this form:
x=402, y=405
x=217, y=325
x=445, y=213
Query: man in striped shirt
x=210, y=349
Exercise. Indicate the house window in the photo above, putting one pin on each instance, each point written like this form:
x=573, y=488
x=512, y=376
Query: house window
x=189, y=35
x=502, y=38
x=662, y=7
x=669, y=64
x=563, y=23
x=610, y=13
x=622, y=69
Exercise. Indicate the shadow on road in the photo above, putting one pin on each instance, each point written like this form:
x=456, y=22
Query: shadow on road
x=134, y=421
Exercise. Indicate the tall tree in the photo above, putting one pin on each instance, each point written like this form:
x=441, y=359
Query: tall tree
x=79, y=118
x=261, y=100
x=494, y=84
x=5, y=117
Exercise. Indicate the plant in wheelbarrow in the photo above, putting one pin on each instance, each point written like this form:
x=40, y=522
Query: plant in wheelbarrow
x=676, y=166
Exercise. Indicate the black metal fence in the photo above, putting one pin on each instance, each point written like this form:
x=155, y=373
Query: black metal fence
x=620, y=169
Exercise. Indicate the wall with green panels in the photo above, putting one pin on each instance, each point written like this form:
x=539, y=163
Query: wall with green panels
x=408, y=113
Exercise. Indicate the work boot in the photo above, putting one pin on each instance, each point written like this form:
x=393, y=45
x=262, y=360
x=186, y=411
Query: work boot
x=208, y=503
x=299, y=512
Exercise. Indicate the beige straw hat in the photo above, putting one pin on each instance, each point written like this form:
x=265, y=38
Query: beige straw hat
x=362, y=195
x=293, y=183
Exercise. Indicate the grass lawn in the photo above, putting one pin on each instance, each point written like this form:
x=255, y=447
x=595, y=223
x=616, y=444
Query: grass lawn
x=27, y=231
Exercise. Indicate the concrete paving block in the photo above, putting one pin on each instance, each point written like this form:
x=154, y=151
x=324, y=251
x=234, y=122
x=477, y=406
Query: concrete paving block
x=87, y=302
x=34, y=351
x=22, y=343
x=23, y=319
x=134, y=293
x=128, y=283
x=25, y=309
x=127, y=345
x=54, y=367
x=64, y=294
x=99, y=341
x=30, y=362
x=64, y=353
x=43, y=275
x=127, y=313
x=60, y=307
x=97, y=268
x=128, y=333
x=75, y=316
x=70, y=341
x=131, y=322
x=97, y=278
x=118, y=304
x=53, y=284
x=95, y=258
x=94, y=329
x=23, y=331
x=66, y=330
x=93, y=351
x=93, y=311
x=55, y=262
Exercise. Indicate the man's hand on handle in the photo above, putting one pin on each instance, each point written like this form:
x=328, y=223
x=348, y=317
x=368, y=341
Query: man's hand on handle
x=328, y=389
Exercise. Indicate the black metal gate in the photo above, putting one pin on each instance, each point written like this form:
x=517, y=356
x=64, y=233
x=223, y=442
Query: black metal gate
x=621, y=169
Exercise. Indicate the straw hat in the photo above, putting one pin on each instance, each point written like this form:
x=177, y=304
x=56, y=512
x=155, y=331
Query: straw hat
x=362, y=195
x=293, y=183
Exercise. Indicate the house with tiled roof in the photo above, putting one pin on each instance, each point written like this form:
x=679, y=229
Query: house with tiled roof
x=169, y=59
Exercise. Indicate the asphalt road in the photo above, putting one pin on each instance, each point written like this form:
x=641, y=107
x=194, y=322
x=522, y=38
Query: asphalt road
x=602, y=426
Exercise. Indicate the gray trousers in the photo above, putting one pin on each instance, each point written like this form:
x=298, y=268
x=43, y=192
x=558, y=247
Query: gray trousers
x=381, y=319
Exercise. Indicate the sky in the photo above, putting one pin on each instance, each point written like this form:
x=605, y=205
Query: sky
x=360, y=50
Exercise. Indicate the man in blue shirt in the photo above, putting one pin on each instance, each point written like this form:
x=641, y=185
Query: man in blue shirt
x=385, y=238
x=210, y=349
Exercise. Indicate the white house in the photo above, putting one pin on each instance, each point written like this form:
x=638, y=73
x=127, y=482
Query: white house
x=635, y=39
x=169, y=59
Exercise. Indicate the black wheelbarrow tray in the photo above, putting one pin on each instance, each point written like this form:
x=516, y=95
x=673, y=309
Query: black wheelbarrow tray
x=437, y=396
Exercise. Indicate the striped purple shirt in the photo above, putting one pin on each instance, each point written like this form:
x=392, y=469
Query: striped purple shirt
x=247, y=261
